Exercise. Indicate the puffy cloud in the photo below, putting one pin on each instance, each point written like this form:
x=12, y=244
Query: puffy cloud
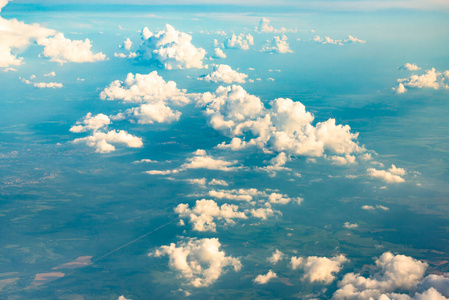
x=348, y=225
x=145, y=88
x=90, y=122
x=319, y=269
x=393, y=272
x=61, y=49
x=397, y=171
x=328, y=40
x=127, y=44
x=277, y=163
x=430, y=79
x=203, y=214
x=277, y=45
x=219, y=53
x=239, y=42
x=386, y=176
x=203, y=161
x=224, y=73
x=218, y=182
x=123, y=298
x=370, y=207
x=199, y=262
x=170, y=48
x=152, y=113
x=16, y=36
x=276, y=257
x=342, y=160
x=263, y=212
x=103, y=141
x=198, y=181
x=277, y=198
x=264, y=279
x=264, y=26
x=409, y=67
x=285, y=127
x=238, y=195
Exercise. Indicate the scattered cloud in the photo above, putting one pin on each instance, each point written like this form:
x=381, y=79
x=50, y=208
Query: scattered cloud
x=199, y=262
x=387, y=176
x=276, y=257
x=277, y=45
x=264, y=279
x=224, y=73
x=409, y=67
x=170, y=48
x=319, y=269
x=219, y=53
x=239, y=42
x=328, y=40
x=264, y=26
x=430, y=79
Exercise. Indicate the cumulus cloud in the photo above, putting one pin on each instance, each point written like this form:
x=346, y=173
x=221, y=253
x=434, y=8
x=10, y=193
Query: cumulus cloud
x=90, y=122
x=103, y=142
x=199, y=262
x=430, y=79
x=170, y=48
x=263, y=212
x=154, y=95
x=16, y=36
x=43, y=85
x=51, y=74
x=319, y=269
x=328, y=40
x=218, y=182
x=264, y=26
x=276, y=257
x=390, y=176
x=203, y=215
x=264, y=279
x=348, y=225
x=224, y=73
x=127, y=44
x=285, y=127
x=239, y=42
x=277, y=45
x=219, y=53
x=62, y=50
x=392, y=273
x=409, y=67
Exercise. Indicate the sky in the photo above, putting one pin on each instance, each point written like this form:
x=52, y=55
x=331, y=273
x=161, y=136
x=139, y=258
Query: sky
x=238, y=151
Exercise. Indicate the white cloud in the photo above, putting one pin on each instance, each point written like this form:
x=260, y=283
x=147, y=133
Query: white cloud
x=285, y=127
x=16, y=36
x=385, y=176
x=409, y=67
x=348, y=225
x=328, y=40
x=202, y=216
x=219, y=53
x=393, y=272
x=198, y=181
x=145, y=88
x=370, y=207
x=319, y=269
x=61, y=49
x=51, y=74
x=342, y=160
x=103, y=141
x=43, y=85
x=218, y=182
x=123, y=298
x=263, y=212
x=276, y=257
x=203, y=161
x=199, y=262
x=127, y=44
x=430, y=79
x=171, y=48
x=264, y=26
x=224, y=73
x=277, y=45
x=239, y=42
x=264, y=279
x=238, y=195
x=152, y=113
x=90, y=122
x=397, y=171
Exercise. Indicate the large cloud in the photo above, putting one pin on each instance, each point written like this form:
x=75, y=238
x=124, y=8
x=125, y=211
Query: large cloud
x=170, y=48
x=391, y=274
x=154, y=94
x=430, y=79
x=199, y=262
x=285, y=127
x=319, y=269
x=61, y=49
x=203, y=214
x=224, y=73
